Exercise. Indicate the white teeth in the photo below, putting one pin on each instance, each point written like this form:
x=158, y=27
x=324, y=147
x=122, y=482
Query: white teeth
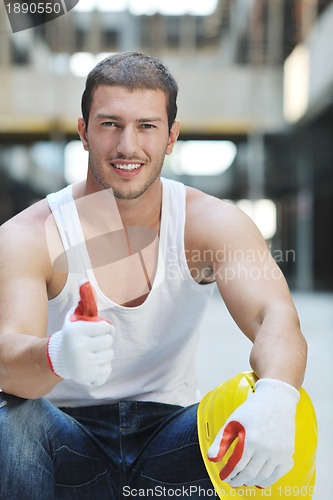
x=131, y=166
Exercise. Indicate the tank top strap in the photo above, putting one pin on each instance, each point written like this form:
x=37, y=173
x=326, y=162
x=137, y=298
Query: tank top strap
x=63, y=208
x=173, y=214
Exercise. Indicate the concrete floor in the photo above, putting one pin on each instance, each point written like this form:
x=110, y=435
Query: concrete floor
x=221, y=339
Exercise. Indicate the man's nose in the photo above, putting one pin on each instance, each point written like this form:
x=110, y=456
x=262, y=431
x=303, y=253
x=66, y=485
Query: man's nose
x=127, y=143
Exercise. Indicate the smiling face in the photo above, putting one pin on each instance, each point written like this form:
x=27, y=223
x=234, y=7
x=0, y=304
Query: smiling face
x=127, y=139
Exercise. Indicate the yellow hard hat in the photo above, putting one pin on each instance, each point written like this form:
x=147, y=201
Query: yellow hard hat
x=216, y=407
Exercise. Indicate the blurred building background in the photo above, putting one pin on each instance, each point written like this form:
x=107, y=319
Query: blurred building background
x=256, y=106
x=256, y=80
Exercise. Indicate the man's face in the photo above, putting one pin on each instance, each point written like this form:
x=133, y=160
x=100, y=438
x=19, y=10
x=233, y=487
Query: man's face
x=127, y=139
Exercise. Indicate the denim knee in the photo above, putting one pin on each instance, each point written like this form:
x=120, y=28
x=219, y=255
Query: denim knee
x=25, y=458
x=20, y=417
x=24, y=426
x=46, y=454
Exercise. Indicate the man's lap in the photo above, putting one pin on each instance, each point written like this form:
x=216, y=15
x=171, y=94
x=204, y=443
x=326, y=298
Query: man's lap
x=116, y=450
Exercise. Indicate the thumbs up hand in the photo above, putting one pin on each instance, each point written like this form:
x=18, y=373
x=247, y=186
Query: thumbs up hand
x=82, y=349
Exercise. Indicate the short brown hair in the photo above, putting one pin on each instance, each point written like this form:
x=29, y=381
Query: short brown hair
x=132, y=70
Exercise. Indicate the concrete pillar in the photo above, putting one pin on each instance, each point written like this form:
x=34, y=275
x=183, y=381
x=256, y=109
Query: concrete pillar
x=93, y=41
x=130, y=39
x=256, y=166
x=304, y=216
x=256, y=34
x=275, y=31
x=5, y=38
x=158, y=35
x=187, y=35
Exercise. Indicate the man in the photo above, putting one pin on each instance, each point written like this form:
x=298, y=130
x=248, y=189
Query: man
x=91, y=408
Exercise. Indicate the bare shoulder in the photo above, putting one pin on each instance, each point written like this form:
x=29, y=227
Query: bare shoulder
x=217, y=221
x=30, y=221
x=198, y=202
x=23, y=239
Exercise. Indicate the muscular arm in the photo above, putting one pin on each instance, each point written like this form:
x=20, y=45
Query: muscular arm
x=254, y=290
x=258, y=298
x=24, y=271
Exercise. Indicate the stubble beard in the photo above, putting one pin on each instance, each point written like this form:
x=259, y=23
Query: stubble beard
x=95, y=167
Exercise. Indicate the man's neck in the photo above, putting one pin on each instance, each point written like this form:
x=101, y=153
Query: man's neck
x=142, y=211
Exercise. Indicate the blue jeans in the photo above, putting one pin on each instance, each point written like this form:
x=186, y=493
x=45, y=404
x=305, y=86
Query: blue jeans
x=127, y=449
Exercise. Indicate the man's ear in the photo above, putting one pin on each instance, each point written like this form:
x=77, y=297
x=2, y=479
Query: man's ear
x=82, y=129
x=173, y=136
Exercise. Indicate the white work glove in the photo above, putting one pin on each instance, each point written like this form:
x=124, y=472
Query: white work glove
x=265, y=427
x=82, y=350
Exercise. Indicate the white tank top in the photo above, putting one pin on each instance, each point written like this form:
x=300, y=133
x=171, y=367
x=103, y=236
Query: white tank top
x=155, y=343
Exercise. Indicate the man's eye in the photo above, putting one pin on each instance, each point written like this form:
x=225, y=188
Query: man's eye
x=148, y=126
x=109, y=124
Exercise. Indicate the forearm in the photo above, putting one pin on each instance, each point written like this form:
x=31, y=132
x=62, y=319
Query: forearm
x=280, y=350
x=24, y=369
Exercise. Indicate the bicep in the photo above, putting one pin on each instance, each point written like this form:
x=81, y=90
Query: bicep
x=23, y=294
x=23, y=307
x=249, y=280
